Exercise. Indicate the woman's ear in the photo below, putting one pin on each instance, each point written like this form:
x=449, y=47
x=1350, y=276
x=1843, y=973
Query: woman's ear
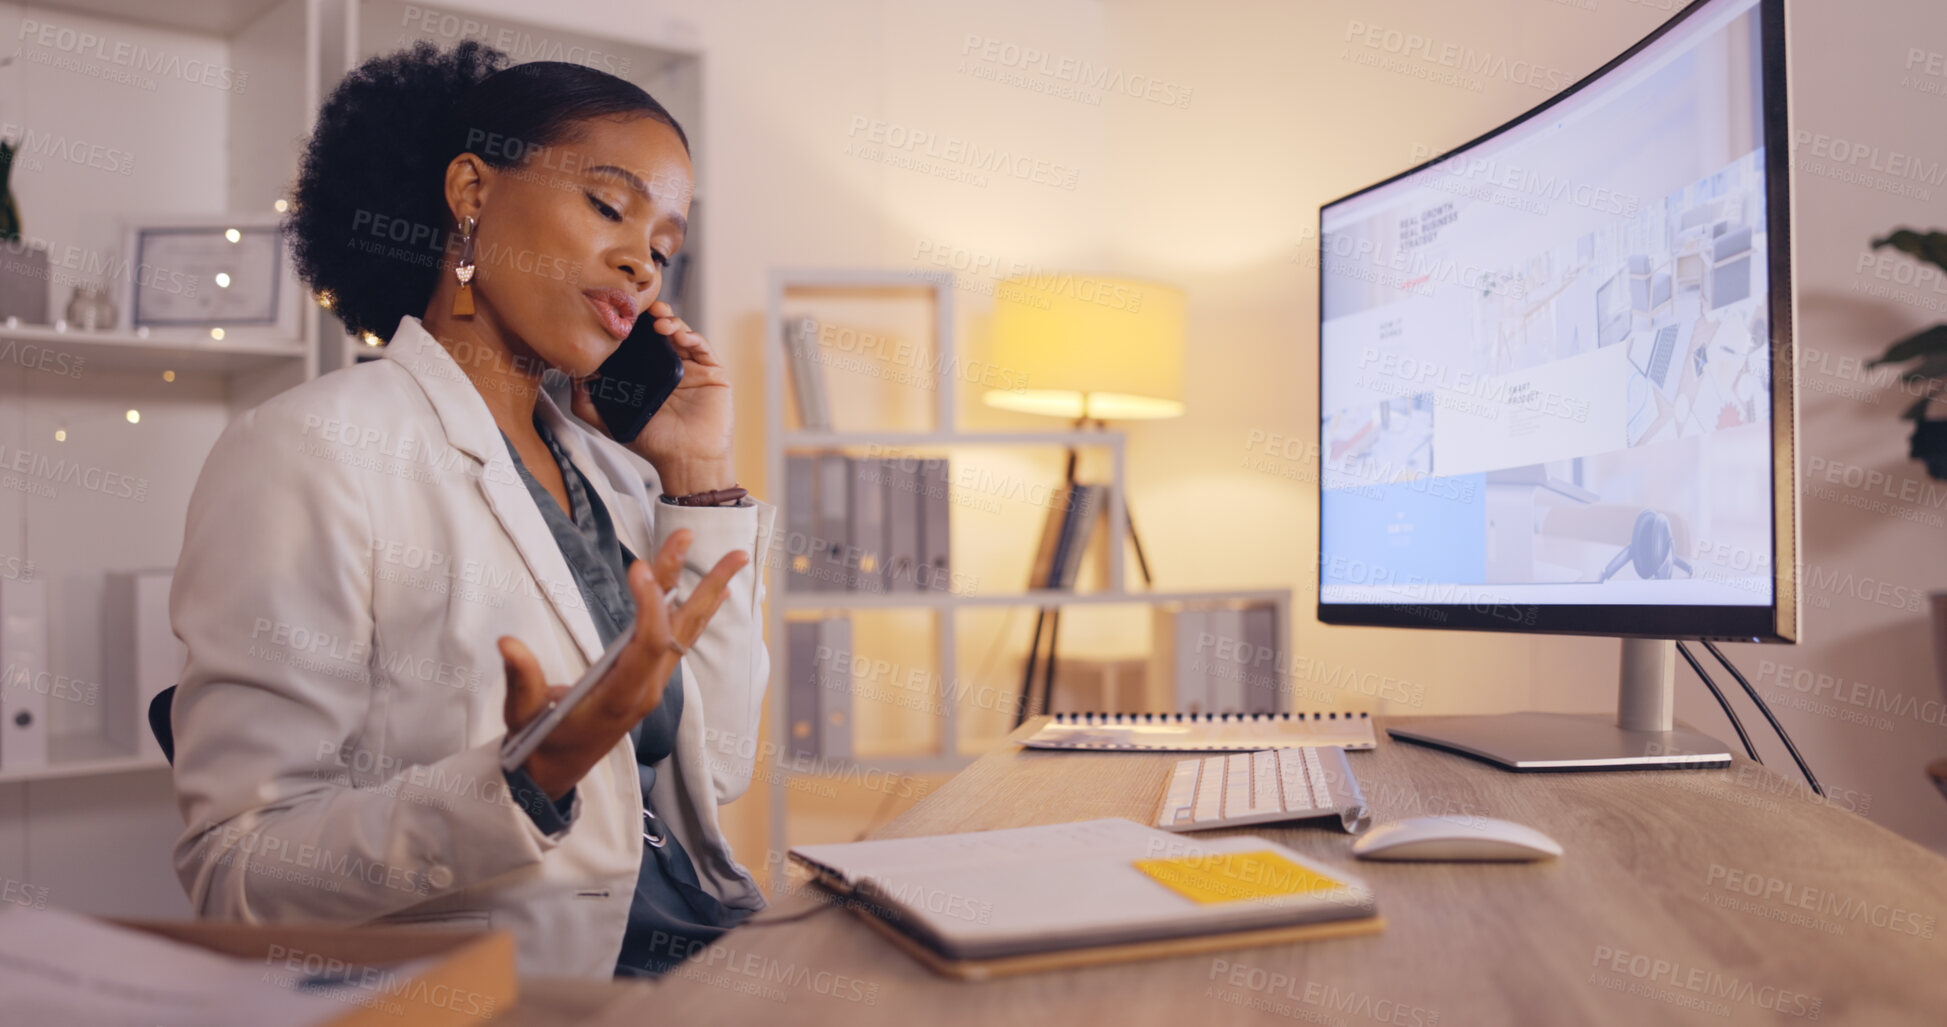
x=467, y=181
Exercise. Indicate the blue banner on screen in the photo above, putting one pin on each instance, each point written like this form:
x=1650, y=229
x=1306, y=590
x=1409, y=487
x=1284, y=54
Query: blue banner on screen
x=1416, y=533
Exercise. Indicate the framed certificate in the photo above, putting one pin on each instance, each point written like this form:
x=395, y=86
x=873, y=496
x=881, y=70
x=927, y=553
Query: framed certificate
x=211, y=272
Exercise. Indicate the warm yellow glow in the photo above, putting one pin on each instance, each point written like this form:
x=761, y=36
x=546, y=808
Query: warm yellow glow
x=168, y=376
x=216, y=333
x=223, y=279
x=281, y=206
x=60, y=435
x=371, y=340
x=325, y=299
x=1085, y=345
x=134, y=416
x=233, y=235
x=1102, y=406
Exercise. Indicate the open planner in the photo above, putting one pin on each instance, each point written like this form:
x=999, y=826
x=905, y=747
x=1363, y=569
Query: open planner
x=989, y=903
x=1203, y=732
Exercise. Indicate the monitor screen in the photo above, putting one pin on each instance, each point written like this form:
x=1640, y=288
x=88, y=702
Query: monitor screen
x=1548, y=393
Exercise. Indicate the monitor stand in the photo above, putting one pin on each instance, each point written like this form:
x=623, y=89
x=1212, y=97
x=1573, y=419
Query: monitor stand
x=1644, y=735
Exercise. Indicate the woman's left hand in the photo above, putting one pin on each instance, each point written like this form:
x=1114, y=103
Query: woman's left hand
x=688, y=440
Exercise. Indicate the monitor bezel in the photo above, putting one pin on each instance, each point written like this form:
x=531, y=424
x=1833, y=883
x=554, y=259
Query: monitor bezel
x=1777, y=622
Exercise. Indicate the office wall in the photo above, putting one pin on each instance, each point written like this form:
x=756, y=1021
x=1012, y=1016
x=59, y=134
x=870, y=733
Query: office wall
x=1250, y=114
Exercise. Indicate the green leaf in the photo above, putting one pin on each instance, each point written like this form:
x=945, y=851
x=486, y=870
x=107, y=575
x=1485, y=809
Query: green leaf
x=1925, y=342
x=1931, y=247
x=1935, y=366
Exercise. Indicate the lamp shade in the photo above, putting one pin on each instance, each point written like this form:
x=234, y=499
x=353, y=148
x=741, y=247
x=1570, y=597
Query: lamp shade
x=1089, y=346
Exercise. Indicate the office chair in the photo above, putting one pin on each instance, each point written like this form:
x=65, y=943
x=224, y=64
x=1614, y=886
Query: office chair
x=1612, y=312
x=1639, y=283
x=1652, y=549
x=1691, y=270
x=1730, y=268
x=165, y=734
x=1702, y=214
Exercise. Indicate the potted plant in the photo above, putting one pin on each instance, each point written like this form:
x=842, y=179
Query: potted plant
x=23, y=268
x=1927, y=349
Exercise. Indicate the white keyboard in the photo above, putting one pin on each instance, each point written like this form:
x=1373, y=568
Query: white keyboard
x=1233, y=789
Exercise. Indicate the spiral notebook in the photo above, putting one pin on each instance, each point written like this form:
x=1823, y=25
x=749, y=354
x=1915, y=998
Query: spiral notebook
x=1203, y=732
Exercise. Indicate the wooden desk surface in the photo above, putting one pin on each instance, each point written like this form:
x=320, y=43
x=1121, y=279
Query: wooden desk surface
x=1703, y=897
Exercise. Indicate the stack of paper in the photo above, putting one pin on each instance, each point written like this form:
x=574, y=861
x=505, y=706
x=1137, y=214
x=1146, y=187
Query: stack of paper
x=58, y=967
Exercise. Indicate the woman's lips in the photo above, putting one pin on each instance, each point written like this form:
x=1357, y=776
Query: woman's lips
x=613, y=309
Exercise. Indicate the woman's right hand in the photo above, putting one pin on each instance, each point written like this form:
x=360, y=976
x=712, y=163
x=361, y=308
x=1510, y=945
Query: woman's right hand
x=633, y=687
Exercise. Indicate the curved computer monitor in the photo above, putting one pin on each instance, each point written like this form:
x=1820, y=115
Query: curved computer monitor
x=1555, y=362
x=1555, y=385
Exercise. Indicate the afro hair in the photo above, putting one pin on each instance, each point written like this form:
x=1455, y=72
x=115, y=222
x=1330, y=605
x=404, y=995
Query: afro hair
x=369, y=227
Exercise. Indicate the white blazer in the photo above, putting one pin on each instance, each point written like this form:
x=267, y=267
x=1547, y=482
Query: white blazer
x=354, y=547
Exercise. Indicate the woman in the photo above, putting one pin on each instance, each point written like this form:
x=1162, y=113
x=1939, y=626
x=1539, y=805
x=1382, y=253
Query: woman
x=389, y=568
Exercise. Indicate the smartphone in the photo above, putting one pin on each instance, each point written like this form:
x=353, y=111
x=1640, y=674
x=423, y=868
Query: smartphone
x=636, y=380
x=521, y=744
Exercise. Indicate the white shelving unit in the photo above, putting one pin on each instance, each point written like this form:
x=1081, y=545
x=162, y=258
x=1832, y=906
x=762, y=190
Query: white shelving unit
x=781, y=440
x=95, y=825
x=122, y=350
x=83, y=756
x=147, y=404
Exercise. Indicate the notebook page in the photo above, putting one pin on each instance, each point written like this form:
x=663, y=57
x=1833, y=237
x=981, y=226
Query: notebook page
x=58, y=967
x=1011, y=846
x=1187, y=733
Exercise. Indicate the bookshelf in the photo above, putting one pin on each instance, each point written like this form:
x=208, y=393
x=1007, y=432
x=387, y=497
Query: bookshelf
x=144, y=404
x=208, y=112
x=784, y=439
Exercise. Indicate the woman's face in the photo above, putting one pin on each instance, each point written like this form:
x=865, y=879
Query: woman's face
x=572, y=243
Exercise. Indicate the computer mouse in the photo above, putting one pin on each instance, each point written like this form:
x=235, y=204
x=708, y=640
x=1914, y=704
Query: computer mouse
x=1455, y=838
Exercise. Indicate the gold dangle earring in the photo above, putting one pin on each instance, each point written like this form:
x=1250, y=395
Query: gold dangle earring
x=463, y=269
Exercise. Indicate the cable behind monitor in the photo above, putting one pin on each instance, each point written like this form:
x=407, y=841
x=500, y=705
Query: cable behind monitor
x=1764, y=708
x=1749, y=749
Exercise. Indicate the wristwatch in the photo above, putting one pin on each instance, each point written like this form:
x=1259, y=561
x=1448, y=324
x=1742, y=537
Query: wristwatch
x=732, y=496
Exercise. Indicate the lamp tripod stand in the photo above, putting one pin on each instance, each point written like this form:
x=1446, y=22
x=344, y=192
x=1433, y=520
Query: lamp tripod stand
x=1048, y=619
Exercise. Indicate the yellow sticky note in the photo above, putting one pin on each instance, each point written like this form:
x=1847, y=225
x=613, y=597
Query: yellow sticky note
x=1232, y=876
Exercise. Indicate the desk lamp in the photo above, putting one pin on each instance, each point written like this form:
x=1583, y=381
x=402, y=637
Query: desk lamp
x=1090, y=348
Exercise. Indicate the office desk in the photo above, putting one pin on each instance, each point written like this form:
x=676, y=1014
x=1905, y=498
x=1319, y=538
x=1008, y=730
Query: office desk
x=1637, y=924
